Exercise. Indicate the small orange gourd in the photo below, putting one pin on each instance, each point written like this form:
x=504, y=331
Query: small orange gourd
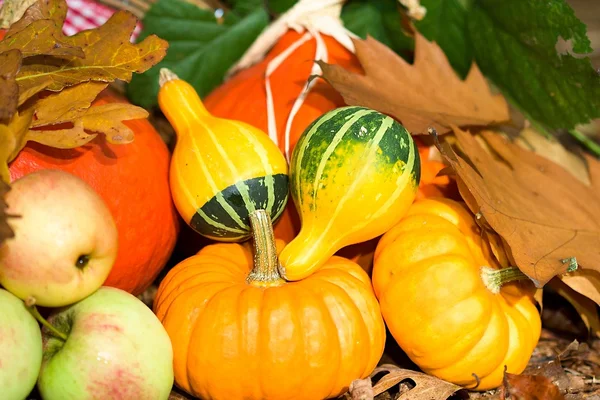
x=441, y=295
x=239, y=331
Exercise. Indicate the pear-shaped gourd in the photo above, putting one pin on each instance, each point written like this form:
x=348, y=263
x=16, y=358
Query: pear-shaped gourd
x=221, y=170
x=353, y=174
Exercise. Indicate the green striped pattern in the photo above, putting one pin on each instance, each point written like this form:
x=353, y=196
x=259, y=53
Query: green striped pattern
x=226, y=216
x=324, y=144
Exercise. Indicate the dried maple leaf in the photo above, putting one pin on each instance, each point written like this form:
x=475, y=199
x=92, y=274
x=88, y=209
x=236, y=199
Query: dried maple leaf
x=426, y=94
x=546, y=217
x=10, y=63
x=426, y=387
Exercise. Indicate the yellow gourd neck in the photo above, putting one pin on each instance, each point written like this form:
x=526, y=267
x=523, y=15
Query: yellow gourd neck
x=180, y=102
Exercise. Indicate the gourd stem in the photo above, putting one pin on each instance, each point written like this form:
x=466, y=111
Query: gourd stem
x=265, y=271
x=493, y=279
x=30, y=303
x=166, y=75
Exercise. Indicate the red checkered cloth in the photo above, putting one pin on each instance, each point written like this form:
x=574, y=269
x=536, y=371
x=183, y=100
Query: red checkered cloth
x=88, y=14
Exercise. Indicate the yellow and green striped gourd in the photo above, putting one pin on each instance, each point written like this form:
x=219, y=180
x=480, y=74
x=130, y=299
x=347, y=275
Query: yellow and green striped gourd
x=353, y=174
x=221, y=170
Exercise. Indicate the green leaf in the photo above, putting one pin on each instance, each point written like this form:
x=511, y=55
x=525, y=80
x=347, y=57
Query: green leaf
x=245, y=7
x=201, y=50
x=446, y=24
x=379, y=19
x=278, y=6
x=514, y=45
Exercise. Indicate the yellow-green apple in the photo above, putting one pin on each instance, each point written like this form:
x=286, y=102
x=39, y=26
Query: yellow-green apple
x=65, y=241
x=114, y=348
x=20, y=348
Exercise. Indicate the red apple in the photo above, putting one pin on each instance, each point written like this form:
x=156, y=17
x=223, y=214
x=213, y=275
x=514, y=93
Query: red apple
x=65, y=241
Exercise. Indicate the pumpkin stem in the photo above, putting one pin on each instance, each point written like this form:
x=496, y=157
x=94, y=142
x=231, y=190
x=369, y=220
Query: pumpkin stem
x=265, y=272
x=493, y=279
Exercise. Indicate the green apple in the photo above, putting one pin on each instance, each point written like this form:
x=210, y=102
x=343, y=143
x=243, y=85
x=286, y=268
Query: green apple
x=65, y=241
x=115, y=348
x=20, y=348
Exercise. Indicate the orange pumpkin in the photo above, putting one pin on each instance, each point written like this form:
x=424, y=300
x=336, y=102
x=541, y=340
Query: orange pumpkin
x=442, y=296
x=239, y=331
x=133, y=181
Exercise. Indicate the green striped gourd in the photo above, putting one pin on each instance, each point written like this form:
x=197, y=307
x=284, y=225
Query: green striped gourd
x=221, y=170
x=353, y=174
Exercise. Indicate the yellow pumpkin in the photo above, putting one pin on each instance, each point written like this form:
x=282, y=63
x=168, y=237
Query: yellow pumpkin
x=454, y=319
x=239, y=331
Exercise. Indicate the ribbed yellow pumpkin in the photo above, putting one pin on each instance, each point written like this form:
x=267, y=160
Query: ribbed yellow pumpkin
x=446, y=312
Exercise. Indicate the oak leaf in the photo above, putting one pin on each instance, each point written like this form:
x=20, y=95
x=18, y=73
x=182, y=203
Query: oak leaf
x=40, y=9
x=426, y=94
x=13, y=137
x=49, y=81
x=547, y=218
x=108, y=56
x=106, y=119
x=41, y=37
x=10, y=63
x=423, y=386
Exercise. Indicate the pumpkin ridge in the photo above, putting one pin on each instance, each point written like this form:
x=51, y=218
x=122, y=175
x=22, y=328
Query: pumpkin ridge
x=357, y=285
x=350, y=308
x=318, y=292
x=212, y=306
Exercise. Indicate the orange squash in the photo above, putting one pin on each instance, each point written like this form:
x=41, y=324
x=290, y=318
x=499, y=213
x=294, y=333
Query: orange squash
x=239, y=331
x=133, y=180
x=454, y=318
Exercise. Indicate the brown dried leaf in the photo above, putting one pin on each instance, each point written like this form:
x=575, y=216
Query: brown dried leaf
x=551, y=149
x=12, y=140
x=104, y=119
x=13, y=10
x=40, y=9
x=66, y=105
x=530, y=387
x=426, y=94
x=426, y=387
x=544, y=214
x=108, y=55
x=10, y=63
x=40, y=37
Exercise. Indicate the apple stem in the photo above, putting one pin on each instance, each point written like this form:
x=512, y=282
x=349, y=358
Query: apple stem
x=30, y=303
